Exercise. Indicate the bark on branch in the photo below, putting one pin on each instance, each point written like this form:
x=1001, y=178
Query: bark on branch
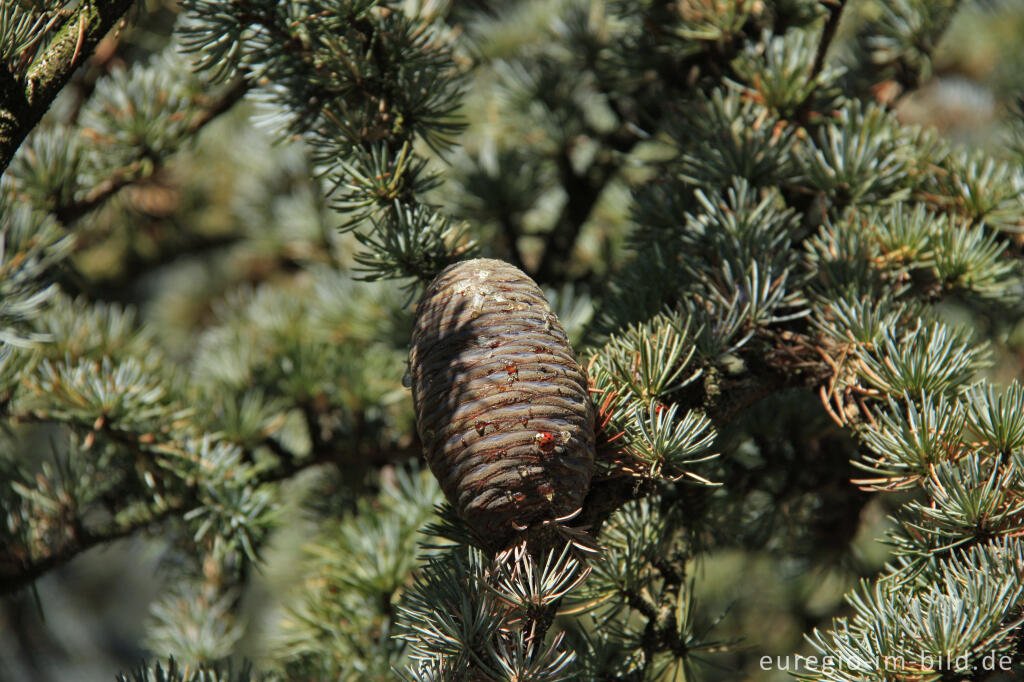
x=23, y=102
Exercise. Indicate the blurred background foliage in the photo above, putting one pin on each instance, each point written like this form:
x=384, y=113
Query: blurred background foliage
x=223, y=246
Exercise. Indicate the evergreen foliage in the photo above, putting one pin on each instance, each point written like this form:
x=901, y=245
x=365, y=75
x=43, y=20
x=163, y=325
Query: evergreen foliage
x=799, y=312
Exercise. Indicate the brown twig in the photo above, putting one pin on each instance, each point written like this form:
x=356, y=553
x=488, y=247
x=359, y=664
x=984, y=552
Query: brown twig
x=828, y=32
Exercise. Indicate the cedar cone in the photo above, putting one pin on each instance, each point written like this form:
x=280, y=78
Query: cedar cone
x=502, y=406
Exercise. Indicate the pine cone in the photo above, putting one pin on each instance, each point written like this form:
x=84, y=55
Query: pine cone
x=502, y=405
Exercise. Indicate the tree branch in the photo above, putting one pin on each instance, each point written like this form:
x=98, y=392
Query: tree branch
x=136, y=170
x=802, y=111
x=582, y=192
x=827, y=34
x=23, y=106
x=16, y=577
x=17, y=572
x=722, y=397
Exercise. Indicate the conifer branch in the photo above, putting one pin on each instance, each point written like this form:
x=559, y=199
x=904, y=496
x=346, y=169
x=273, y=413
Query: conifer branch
x=117, y=286
x=774, y=310
x=17, y=575
x=22, y=105
x=145, y=166
x=582, y=193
